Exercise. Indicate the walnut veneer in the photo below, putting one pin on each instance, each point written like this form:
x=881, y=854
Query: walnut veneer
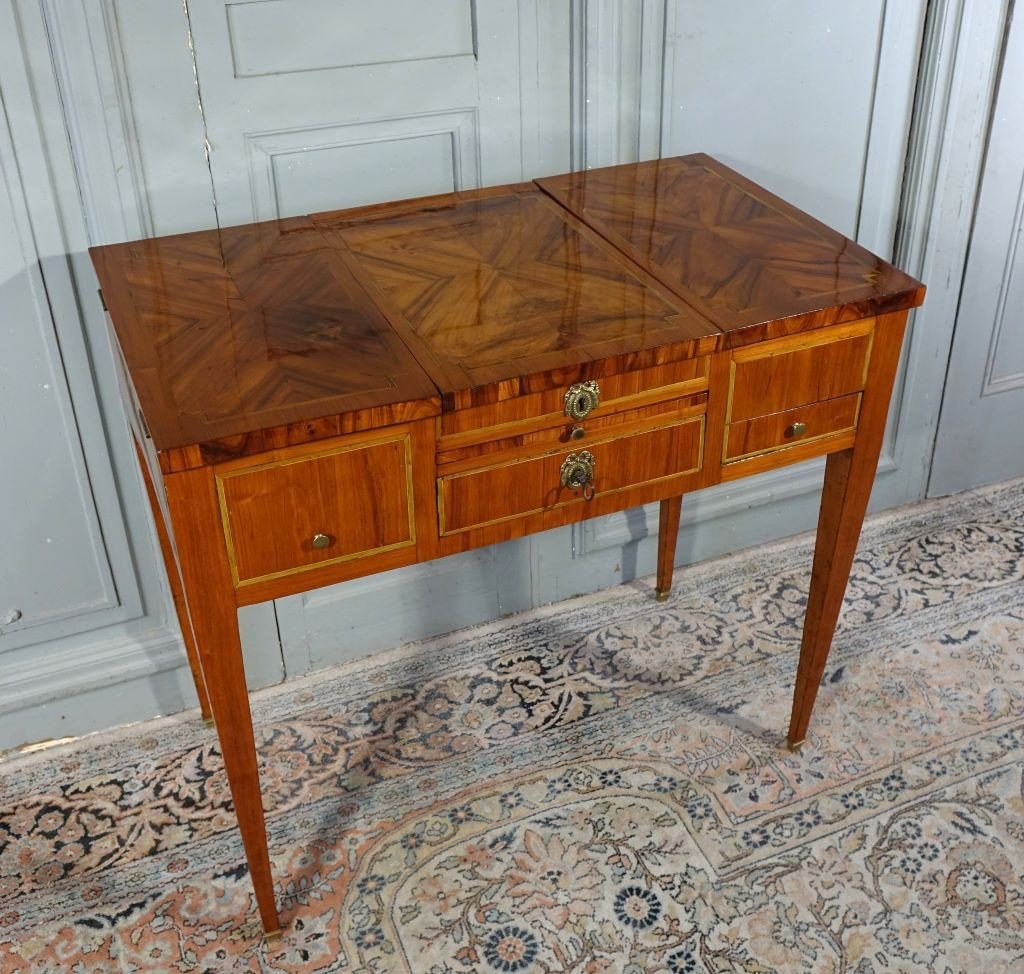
x=322, y=398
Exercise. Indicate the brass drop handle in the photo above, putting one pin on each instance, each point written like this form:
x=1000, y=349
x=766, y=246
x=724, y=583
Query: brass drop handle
x=578, y=473
x=582, y=398
x=321, y=541
x=794, y=430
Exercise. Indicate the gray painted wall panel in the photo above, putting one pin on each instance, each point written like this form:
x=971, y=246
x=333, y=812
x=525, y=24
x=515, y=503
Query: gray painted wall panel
x=55, y=565
x=981, y=433
x=160, y=104
x=364, y=173
x=281, y=36
x=1005, y=367
x=783, y=90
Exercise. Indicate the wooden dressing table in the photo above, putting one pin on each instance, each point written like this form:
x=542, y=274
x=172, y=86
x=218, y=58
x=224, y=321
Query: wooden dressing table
x=322, y=398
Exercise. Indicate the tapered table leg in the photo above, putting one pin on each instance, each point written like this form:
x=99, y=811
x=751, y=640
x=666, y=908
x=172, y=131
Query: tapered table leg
x=668, y=532
x=177, y=593
x=849, y=477
x=209, y=592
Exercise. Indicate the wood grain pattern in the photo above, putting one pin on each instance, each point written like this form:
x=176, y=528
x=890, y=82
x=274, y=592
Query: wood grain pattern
x=763, y=462
x=538, y=410
x=206, y=577
x=272, y=511
x=332, y=570
x=719, y=377
x=777, y=375
x=492, y=288
x=668, y=534
x=479, y=497
x=177, y=590
x=512, y=444
x=769, y=433
x=293, y=434
x=849, y=477
x=753, y=264
x=241, y=338
x=555, y=517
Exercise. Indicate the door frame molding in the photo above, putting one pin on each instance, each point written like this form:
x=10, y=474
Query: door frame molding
x=960, y=407
x=955, y=99
x=88, y=62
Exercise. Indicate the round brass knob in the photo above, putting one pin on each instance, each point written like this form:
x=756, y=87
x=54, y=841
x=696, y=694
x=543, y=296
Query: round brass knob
x=577, y=433
x=794, y=430
x=582, y=398
x=321, y=541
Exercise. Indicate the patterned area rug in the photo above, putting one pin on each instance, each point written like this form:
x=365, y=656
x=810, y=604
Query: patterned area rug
x=599, y=786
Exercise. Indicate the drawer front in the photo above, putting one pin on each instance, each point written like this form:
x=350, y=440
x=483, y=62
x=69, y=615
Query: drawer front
x=545, y=409
x=306, y=510
x=474, y=498
x=779, y=431
x=573, y=435
x=778, y=375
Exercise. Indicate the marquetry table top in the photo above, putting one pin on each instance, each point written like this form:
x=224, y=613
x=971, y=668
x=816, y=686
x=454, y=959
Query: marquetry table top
x=378, y=314
x=754, y=264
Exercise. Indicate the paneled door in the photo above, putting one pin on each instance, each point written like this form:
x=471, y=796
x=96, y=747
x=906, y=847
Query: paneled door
x=307, y=105
x=268, y=108
x=61, y=577
x=981, y=427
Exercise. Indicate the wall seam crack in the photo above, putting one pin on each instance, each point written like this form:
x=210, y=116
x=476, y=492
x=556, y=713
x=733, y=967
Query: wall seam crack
x=207, y=147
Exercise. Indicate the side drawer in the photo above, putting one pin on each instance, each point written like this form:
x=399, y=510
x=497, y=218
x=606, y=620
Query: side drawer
x=481, y=496
x=779, y=431
x=778, y=375
x=306, y=509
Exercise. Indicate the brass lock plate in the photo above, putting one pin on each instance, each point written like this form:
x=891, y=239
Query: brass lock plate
x=577, y=472
x=582, y=398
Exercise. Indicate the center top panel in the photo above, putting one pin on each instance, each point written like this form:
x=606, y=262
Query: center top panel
x=504, y=286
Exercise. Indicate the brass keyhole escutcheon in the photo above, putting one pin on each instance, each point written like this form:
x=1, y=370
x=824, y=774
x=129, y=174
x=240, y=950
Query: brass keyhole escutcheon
x=578, y=473
x=582, y=398
x=794, y=430
x=321, y=541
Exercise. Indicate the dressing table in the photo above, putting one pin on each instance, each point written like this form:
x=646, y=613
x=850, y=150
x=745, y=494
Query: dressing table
x=322, y=398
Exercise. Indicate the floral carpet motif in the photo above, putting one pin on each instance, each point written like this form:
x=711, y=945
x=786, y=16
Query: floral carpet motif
x=599, y=786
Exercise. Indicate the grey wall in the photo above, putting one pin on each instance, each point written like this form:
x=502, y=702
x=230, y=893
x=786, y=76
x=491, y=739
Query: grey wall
x=981, y=437
x=107, y=137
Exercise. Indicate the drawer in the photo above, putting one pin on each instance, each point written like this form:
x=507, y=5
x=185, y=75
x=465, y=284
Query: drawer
x=306, y=509
x=569, y=434
x=545, y=409
x=778, y=375
x=486, y=495
x=804, y=424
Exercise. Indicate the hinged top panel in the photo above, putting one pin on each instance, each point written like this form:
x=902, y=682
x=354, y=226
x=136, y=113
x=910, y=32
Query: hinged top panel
x=752, y=263
x=252, y=328
x=503, y=286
